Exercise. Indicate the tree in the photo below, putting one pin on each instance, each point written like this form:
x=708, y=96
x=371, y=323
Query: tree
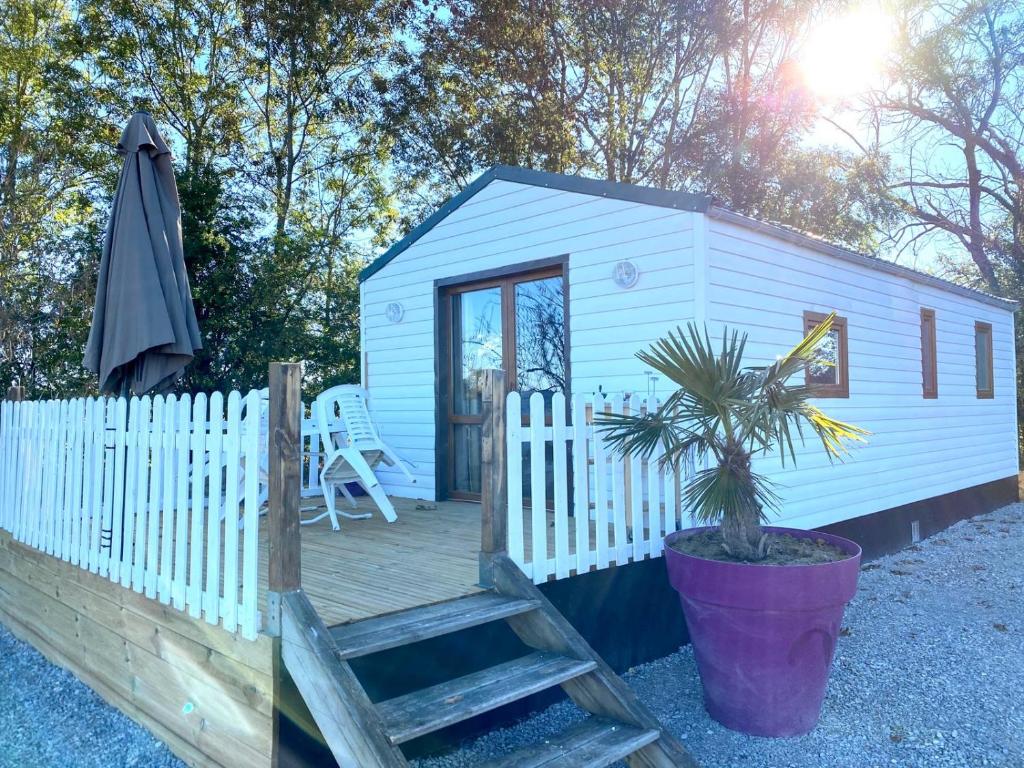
x=182, y=59
x=950, y=118
x=307, y=131
x=681, y=95
x=52, y=129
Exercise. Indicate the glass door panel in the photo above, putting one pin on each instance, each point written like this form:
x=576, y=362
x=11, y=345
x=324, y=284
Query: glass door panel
x=476, y=345
x=540, y=339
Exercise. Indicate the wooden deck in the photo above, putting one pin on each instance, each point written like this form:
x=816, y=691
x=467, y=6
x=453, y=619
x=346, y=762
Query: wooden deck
x=371, y=567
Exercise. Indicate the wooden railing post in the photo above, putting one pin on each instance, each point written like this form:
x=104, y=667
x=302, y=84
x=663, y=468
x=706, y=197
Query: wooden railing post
x=493, y=485
x=285, y=477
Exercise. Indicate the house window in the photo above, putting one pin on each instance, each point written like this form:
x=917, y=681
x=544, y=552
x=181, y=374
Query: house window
x=929, y=360
x=983, y=359
x=829, y=375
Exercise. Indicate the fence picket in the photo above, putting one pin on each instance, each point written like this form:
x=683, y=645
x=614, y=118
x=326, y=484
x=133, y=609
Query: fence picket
x=90, y=484
x=59, y=461
x=195, y=538
x=514, y=465
x=99, y=450
x=635, y=491
x=620, y=542
x=29, y=498
x=130, y=494
x=581, y=484
x=668, y=486
x=76, y=459
x=252, y=437
x=559, y=457
x=40, y=474
x=6, y=435
x=156, y=493
x=211, y=599
x=179, y=549
x=652, y=541
x=12, y=487
x=538, y=491
x=602, y=489
x=232, y=457
x=44, y=533
x=106, y=526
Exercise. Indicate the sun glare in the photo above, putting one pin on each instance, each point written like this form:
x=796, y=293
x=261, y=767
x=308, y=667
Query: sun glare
x=844, y=54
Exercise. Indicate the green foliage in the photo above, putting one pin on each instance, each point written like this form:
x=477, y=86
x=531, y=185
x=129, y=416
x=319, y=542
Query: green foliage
x=297, y=126
x=269, y=109
x=690, y=95
x=724, y=414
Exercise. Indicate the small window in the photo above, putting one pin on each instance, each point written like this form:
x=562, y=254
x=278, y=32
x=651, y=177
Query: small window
x=929, y=359
x=983, y=359
x=829, y=376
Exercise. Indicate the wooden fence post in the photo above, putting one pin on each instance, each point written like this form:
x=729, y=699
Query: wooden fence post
x=16, y=393
x=493, y=485
x=285, y=477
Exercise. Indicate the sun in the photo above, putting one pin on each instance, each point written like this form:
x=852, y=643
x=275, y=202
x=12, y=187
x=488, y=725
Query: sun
x=844, y=54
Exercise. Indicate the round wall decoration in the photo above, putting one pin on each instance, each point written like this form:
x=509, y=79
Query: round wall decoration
x=625, y=274
x=394, y=312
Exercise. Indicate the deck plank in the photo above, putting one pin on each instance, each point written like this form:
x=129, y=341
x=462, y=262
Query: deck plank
x=372, y=567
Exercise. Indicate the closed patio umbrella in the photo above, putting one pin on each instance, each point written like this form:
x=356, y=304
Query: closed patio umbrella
x=144, y=329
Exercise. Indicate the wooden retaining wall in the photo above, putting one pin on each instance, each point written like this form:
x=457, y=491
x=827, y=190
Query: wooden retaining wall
x=208, y=694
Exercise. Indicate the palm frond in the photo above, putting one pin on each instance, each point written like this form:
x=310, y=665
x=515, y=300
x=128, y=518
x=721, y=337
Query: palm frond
x=724, y=410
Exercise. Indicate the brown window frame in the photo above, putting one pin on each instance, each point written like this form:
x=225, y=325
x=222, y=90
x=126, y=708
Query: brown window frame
x=841, y=389
x=929, y=356
x=984, y=329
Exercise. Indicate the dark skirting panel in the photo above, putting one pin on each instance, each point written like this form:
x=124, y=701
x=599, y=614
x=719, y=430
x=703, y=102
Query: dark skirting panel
x=629, y=614
x=885, y=532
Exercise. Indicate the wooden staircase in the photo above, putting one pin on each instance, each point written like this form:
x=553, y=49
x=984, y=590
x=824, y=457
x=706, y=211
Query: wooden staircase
x=366, y=734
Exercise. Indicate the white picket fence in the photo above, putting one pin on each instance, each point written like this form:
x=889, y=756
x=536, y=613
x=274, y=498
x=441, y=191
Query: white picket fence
x=151, y=494
x=602, y=507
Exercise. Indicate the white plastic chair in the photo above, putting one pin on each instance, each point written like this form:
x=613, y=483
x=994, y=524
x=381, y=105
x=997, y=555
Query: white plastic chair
x=264, y=456
x=352, y=457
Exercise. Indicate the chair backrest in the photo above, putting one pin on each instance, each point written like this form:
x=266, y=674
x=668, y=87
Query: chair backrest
x=264, y=395
x=350, y=402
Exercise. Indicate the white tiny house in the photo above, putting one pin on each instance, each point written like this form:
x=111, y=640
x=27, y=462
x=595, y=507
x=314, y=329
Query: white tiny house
x=560, y=280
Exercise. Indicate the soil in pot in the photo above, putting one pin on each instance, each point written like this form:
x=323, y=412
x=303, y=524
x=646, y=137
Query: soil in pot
x=783, y=549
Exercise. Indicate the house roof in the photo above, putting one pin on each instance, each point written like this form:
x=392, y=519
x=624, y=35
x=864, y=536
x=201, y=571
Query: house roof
x=684, y=201
x=663, y=198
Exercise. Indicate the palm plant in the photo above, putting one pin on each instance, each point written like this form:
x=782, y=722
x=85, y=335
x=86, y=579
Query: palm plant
x=726, y=413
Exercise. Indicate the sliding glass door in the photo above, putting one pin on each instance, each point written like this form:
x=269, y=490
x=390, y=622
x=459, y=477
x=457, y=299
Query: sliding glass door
x=516, y=323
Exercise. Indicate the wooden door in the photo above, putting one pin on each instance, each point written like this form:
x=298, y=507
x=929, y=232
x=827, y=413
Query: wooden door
x=517, y=323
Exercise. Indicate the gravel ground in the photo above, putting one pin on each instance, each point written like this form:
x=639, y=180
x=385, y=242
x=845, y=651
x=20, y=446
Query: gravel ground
x=929, y=672
x=48, y=719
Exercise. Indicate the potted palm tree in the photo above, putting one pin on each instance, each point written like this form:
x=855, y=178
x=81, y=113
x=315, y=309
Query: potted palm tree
x=763, y=605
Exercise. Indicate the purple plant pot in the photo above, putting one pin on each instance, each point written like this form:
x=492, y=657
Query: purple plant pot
x=764, y=635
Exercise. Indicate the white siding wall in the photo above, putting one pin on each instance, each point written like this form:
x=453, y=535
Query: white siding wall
x=507, y=224
x=919, y=448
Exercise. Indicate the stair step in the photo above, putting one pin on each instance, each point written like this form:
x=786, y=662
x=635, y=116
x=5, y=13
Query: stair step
x=362, y=638
x=594, y=743
x=431, y=709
